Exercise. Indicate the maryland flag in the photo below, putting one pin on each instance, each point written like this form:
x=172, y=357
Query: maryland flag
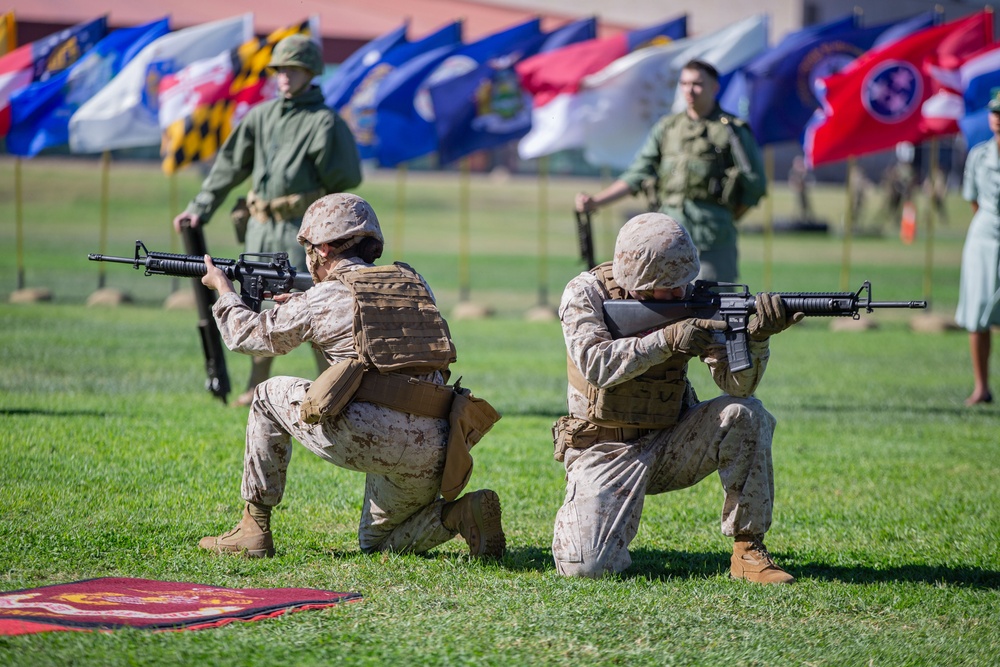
x=200, y=105
x=8, y=33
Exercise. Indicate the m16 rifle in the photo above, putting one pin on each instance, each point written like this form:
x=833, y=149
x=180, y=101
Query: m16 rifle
x=630, y=317
x=259, y=279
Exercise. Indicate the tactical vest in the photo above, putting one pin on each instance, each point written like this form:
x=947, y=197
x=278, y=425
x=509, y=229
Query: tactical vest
x=397, y=326
x=656, y=399
x=697, y=160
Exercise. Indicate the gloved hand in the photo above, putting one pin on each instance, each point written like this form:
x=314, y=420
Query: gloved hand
x=692, y=337
x=771, y=317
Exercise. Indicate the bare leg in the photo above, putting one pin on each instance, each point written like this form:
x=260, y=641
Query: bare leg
x=979, y=347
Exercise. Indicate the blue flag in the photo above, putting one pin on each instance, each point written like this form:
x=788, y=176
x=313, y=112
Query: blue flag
x=487, y=106
x=339, y=86
x=980, y=78
x=670, y=30
x=359, y=109
x=40, y=113
x=405, y=115
x=779, y=94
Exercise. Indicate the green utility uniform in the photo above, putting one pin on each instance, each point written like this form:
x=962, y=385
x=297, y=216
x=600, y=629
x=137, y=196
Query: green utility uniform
x=294, y=151
x=699, y=182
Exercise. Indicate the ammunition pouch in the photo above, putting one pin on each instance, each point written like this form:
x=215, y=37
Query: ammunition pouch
x=332, y=391
x=240, y=216
x=281, y=209
x=576, y=433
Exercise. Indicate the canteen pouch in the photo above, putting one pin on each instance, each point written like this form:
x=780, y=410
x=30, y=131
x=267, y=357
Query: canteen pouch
x=240, y=216
x=332, y=391
x=470, y=419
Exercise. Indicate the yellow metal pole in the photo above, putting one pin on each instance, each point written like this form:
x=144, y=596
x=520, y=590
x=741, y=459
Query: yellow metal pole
x=845, y=267
x=103, y=244
x=172, y=199
x=401, y=172
x=543, y=230
x=769, y=218
x=19, y=222
x=463, y=233
x=929, y=256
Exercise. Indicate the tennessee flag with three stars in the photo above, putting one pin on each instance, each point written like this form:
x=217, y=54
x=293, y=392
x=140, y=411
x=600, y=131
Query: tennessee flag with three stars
x=878, y=100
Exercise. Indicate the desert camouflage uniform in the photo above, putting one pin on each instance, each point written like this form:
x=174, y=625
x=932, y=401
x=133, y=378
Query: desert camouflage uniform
x=402, y=454
x=606, y=483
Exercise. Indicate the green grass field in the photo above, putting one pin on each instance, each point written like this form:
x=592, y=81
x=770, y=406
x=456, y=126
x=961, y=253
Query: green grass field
x=114, y=461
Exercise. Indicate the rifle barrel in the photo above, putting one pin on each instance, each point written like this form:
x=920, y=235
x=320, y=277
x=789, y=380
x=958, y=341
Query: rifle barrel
x=95, y=257
x=897, y=304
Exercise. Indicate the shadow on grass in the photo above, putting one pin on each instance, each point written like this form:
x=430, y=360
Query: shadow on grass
x=13, y=412
x=657, y=564
x=958, y=410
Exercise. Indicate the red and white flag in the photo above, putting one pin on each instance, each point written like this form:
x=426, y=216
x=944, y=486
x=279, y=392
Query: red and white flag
x=879, y=99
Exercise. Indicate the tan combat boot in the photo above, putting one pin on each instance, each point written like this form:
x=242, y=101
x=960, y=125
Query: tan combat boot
x=476, y=517
x=752, y=562
x=247, y=539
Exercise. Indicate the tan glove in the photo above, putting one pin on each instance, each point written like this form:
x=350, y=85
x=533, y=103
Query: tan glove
x=771, y=317
x=692, y=337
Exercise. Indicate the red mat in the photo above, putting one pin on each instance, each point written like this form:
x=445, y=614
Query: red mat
x=110, y=603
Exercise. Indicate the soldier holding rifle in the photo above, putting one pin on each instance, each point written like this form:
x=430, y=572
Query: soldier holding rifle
x=294, y=149
x=635, y=425
x=707, y=168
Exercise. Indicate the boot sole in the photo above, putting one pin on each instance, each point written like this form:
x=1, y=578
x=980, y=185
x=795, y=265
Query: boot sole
x=486, y=511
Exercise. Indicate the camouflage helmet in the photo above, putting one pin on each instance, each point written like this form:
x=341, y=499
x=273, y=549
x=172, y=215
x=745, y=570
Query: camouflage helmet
x=653, y=251
x=297, y=51
x=337, y=218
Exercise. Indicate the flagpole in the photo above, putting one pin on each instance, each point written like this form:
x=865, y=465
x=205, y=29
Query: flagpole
x=463, y=232
x=543, y=231
x=607, y=220
x=929, y=256
x=172, y=204
x=19, y=222
x=769, y=217
x=845, y=267
x=103, y=242
x=401, y=172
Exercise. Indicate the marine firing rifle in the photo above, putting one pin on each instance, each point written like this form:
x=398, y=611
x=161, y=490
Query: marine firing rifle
x=259, y=280
x=630, y=317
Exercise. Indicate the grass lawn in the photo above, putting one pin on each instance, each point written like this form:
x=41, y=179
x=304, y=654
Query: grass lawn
x=114, y=461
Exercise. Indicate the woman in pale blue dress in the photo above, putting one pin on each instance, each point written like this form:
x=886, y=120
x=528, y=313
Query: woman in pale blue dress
x=979, y=292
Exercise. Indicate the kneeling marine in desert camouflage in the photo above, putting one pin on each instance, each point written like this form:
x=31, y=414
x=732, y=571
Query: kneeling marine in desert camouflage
x=635, y=426
x=383, y=408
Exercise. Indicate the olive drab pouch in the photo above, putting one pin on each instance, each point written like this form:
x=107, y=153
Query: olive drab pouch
x=240, y=216
x=332, y=391
x=470, y=419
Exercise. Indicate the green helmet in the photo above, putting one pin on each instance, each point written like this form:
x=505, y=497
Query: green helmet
x=297, y=51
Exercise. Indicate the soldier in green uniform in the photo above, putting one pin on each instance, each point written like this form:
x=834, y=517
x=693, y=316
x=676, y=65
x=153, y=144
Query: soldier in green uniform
x=295, y=150
x=707, y=168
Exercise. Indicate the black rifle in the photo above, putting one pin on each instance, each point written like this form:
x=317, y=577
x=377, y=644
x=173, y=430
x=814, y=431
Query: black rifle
x=585, y=237
x=217, y=376
x=629, y=317
x=259, y=280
